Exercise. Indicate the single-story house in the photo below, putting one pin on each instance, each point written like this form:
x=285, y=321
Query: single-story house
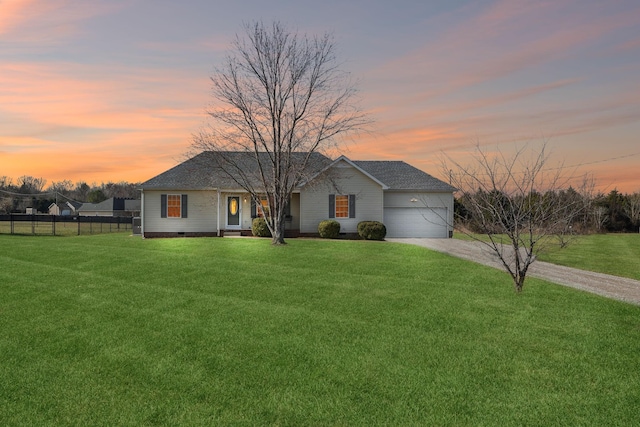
x=114, y=206
x=64, y=209
x=199, y=198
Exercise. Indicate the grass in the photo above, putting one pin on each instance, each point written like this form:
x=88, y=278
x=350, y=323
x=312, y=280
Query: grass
x=61, y=228
x=116, y=330
x=616, y=254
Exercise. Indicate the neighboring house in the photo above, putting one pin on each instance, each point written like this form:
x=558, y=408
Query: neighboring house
x=64, y=209
x=115, y=206
x=197, y=198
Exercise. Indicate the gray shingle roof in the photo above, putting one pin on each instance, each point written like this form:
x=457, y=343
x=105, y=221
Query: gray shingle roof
x=398, y=175
x=191, y=174
x=204, y=171
x=105, y=205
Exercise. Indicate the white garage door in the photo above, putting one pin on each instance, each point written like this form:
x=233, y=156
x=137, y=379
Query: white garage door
x=416, y=222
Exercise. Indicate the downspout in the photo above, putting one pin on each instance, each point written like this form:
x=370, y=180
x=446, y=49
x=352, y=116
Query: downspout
x=142, y=213
x=218, y=214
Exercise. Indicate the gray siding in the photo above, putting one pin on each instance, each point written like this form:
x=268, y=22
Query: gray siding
x=341, y=179
x=201, y=215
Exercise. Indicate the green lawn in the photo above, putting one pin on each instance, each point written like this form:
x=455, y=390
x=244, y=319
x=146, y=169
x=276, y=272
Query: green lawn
x=116, y=330
x=617, y=254
x=62, y=228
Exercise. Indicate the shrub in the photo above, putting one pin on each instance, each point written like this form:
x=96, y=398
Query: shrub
x=259, y=228
x=329, y=229
x=372, y=230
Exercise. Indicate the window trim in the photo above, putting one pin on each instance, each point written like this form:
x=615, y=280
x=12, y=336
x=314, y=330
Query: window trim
x=341, y=207
x=182, y=205
x=178, y=206
x=351, y=206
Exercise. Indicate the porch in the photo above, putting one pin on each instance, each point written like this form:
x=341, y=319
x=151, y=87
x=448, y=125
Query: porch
x=236, y=212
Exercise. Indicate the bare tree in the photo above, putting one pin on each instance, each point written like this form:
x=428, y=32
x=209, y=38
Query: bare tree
x=81, y=192
x=631, y=207
x=31, y=185
x=62, y=187
x=121, y=189
x=6, y=204
x=280, y=98
x=518, y=203
x=6, y=181
x=600, y=217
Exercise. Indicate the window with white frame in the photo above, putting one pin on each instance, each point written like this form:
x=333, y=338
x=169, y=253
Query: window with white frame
x=342, y=206
x=174, y=205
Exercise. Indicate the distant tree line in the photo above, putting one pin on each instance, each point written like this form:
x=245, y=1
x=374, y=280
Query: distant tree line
x=28, y=191
x=612, y=212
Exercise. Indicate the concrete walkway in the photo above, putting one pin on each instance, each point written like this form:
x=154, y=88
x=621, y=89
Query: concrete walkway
x=620, y=288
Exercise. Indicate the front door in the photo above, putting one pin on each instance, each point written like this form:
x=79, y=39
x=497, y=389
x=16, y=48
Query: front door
x=233, y=212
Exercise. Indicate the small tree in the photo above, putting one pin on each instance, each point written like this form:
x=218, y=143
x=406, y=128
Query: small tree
x=96, y=196
x=517, y=203
x=632, y=208
x=617, y=218
x=280, y=98
x=6, y=204
x=6, y=182
x=599, y=217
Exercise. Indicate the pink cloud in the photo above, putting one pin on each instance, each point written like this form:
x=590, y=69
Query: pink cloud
x=15, y=12
x=46, y=22
x=507, y=37
x=91, y=97
x=93, y=167
x=67, y=117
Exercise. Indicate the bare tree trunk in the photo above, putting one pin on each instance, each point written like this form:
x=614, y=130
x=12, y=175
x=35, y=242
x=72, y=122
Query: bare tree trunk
x=278, y=231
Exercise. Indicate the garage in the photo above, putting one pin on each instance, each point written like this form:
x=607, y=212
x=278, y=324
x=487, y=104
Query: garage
x=416, y=222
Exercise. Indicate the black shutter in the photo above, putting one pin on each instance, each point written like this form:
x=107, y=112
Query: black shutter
x=184, y=206
x=163, y=206
x=254, y=213
x=332, y=205
x=352, y=205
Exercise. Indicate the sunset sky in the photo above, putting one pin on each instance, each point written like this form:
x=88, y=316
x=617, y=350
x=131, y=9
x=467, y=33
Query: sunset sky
x=111, y=90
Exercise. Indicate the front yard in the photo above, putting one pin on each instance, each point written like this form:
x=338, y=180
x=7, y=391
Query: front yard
x=116, y=330
x=617, y=254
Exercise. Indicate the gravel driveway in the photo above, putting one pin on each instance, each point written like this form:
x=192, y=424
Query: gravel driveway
x=619, y=288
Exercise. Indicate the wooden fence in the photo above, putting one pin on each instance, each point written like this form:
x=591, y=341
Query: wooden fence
x=54, y=225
